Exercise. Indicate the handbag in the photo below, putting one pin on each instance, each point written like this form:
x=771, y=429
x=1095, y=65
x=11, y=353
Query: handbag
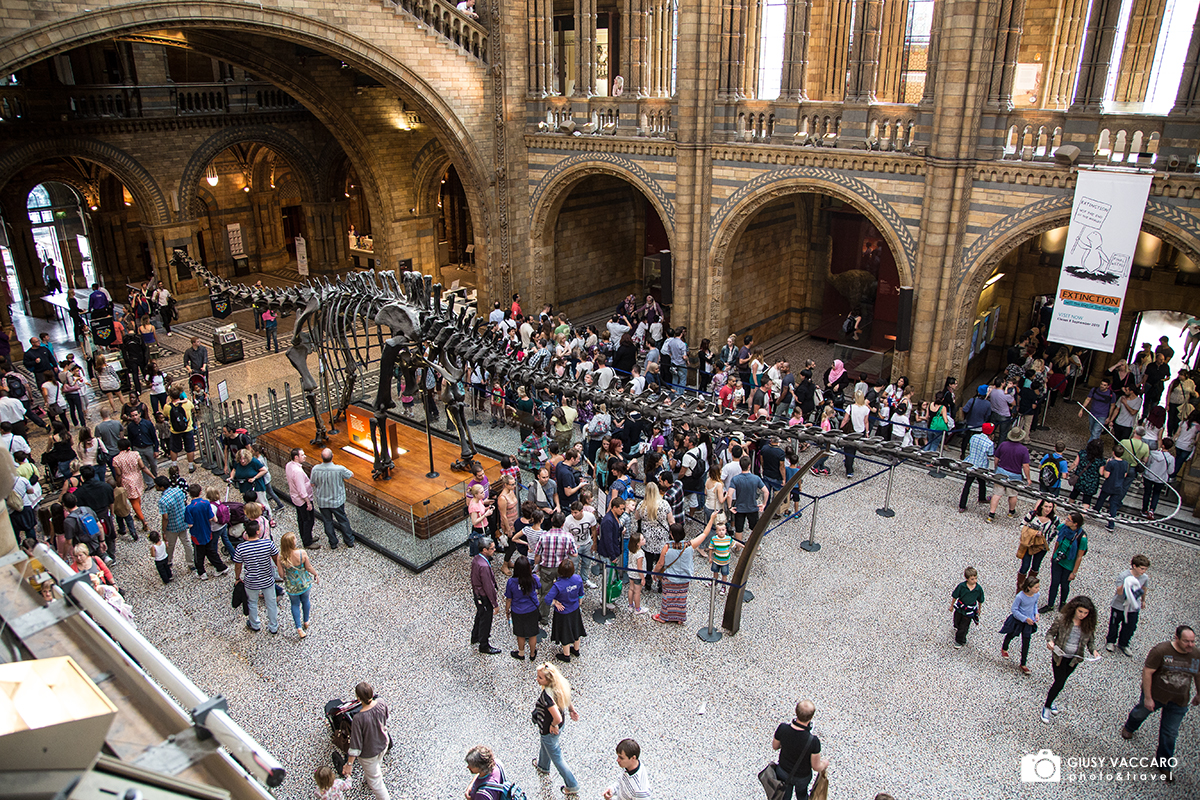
x=769, y=778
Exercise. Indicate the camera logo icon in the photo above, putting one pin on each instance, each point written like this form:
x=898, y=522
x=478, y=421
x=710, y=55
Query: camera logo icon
x=1041, y=767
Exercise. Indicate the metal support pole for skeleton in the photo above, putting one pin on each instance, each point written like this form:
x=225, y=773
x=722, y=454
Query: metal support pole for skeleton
x=287, y=396
x=887, y=511
x=433, y=473
x=711, y=634
x=811, y=545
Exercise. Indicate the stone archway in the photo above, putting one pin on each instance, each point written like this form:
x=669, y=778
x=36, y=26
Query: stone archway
x=979, y=260
x=737, y=212
x=303, y=165
x=547, y=199
x=141, y=184
x=382, y=52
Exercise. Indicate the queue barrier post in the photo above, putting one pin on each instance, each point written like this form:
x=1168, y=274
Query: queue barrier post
x=936, y=472
x=812, y=545
x=603, y=614
x=887, y=510
x=710, y=634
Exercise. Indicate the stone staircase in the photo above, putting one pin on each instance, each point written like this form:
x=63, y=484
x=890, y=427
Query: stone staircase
x=442, y=19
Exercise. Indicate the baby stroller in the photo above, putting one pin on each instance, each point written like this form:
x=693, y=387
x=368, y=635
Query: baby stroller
x=198, y=389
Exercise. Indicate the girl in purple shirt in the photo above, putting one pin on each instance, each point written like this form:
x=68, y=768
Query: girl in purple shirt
x=565, y=595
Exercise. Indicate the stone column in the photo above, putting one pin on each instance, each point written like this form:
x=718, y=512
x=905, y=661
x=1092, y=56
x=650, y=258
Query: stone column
x=892, y=39
x=1098, y=41
x=585, y=48
x=549, y=67
x=1187, y=102
x=1064, y=58
x=662, y=46
x=1004, y=64
x=328, y=247
x=751, y=39
x=931, y=58
x=835, y=49
x=864, y=52
x=633, y=56
x=725, y=81
x=964, y=68
x=795, y=51
x=1137, y=59
x=541, y=47
x=698, y=294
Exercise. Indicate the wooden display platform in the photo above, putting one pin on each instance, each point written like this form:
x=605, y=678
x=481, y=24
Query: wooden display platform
x=409, y=500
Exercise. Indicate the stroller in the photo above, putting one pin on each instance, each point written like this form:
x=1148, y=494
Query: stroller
x=198, y=389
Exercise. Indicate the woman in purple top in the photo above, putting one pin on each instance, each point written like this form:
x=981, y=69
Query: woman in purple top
x=521, y=606
x=565, y=595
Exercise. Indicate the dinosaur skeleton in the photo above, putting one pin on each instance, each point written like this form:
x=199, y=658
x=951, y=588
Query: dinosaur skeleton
x=341, y=319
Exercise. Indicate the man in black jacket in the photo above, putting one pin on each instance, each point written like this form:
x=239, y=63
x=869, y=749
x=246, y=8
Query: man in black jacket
x=98, y=495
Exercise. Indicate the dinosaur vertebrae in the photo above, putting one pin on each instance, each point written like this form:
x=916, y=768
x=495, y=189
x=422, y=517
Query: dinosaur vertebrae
x=458, y=333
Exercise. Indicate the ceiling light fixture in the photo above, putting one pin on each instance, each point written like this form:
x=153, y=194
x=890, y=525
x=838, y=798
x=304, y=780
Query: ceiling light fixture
x=211, y=175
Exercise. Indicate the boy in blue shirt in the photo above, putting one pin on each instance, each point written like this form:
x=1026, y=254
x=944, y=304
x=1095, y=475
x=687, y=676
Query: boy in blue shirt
x=198, y=516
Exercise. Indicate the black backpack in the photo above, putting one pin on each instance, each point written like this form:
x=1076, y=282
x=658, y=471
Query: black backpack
x=16, y=386
x=848, y=324
x=179, y=418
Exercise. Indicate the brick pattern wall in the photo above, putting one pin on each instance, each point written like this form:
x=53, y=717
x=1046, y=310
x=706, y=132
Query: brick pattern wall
x=597, y=260
x=761, y=271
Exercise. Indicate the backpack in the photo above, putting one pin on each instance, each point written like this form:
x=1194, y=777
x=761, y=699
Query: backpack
x=223, y=513
x=1050, y=473
x=88, y=531
x=178, y=417
x=848, y=324
x=235, y=513
x=16, y=386
x=503, y=791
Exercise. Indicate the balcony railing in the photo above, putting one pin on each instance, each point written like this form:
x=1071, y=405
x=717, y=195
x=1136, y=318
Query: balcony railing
x=140, y=102
x=627, y=116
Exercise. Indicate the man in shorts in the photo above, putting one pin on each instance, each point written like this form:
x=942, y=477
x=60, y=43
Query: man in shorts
x=181, y=419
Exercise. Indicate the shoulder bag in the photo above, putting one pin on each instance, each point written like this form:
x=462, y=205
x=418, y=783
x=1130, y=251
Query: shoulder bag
x=769, y=778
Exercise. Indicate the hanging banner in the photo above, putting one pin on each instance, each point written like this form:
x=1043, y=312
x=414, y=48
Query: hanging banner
x=301, y=256
x=1106, y=218
x=221, y=305
x=234, y=231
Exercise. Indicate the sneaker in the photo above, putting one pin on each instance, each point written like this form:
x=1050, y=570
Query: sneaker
x=1054, y=708
x=849, y=474
x=1127, y=651
x=1026, y=670
x=223, y=572
x=1125, y=734
x=1110, y=647
x=539, y=769
x=1046, y=715
x=192, y=468
x=591, y=584
x=1012, y=513
x=957, y=646
x=962, y=510
x=1045, y=608
x=203, y=576
x=991, y=517
x=816, y=471
x=1003, y=653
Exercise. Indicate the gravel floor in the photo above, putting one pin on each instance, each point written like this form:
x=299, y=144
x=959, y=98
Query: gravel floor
x=861, y=627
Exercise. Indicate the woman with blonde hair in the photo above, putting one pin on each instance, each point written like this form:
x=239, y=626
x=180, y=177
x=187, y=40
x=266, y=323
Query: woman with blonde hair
x=107, y=380
x=550, y=714
x=654, y=519
x=857, y=417
x=298, y=576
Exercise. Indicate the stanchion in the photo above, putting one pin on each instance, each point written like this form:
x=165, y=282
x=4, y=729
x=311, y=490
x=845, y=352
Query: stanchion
x=936, y=472
x=710, y=634
x=887, y=511
x=603, y=613
x=811, y=545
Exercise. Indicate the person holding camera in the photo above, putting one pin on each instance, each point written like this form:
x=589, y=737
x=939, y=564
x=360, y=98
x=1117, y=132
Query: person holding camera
x=369, y=740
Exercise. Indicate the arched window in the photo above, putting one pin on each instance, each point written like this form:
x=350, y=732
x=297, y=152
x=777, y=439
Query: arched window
x=770, y=48
x=1170, y=35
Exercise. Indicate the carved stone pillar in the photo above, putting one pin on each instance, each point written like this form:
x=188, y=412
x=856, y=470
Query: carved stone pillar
x=1061, y=72
x=585, y=48
x=1004, y=63
x=834, y=49
x=328, y=247
x=795, y=51
x=931, y=56
x=893, y=33
x=662, y=45
x=1137, y=59
x=1098, y=42
x=1187, y=101
x=864, y=52
x=633, y=55
x=751, y=39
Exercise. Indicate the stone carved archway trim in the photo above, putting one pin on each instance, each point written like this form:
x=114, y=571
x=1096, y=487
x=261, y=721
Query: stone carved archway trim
x=1165, y=220
x=550, y=193
x=304, y=167
x=733, y=215
x=145, y=190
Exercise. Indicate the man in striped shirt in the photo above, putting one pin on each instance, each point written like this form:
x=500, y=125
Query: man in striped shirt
x=256, y=555
x=552, y=548
x=632, y=783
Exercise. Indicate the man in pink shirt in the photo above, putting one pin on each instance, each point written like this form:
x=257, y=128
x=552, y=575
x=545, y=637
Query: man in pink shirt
x=301, y=492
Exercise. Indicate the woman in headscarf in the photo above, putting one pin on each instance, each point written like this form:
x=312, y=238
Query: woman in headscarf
x=836, y=381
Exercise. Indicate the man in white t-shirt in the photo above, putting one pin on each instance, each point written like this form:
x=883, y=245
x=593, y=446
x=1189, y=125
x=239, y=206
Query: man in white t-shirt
x=604, y=374
x=526, y=330
x=11, y=441
x=637, y=384
x=579, y=524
